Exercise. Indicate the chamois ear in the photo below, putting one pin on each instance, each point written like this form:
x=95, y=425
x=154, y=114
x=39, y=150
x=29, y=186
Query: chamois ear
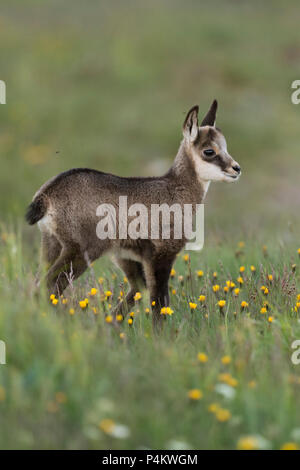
x=210, y=118
x=190, y=125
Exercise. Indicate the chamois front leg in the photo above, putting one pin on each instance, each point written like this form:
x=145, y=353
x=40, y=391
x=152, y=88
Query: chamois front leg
x=134, y=273
x=157, y=279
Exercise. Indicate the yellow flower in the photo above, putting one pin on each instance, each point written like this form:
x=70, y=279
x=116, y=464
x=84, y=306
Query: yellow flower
x=64, y=301
x=201, y=298
x=253, y=268
x=290, y=446
x=270, y=277
x=242, y=269
x=223, y=415
x=215, y=274
x=240, y=280
x=228, y=379
x=213, y=407
x=125, y=280
x=108, y=294
x=236, y=291
x=266, y=291
x=130, y=321
x=247, y=443
x=166, y=311
x=61, y=397
x=100, y=280
x=122, y=335
x=226, y=289
x=131, y=314
x=107, y=425
x=216, y=288
x=52, y=296
x=195, y=394
x=263, y=310
x=270, y=319
x=173, y=272
x=186, y=258
x=252, y=384
x=200, y=273
x=71, y=311
x=263, y=288
x=230, y=284
x=192, y=305
x=174, y=291
x=241, y=244
x=119, y=318
x=298, y=251
x=222, y=303
x=137, y=296
x=202, y=357
x=55, y=301
x=95, y=311
x=109, y=319
x=147, y=310
x=226, y=360
x=82, y=304
x=244, y=304
x=93, y=291
x=153, y=303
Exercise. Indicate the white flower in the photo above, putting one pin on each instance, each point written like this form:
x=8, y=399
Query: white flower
x=262, y=442
x=120, y=431
x=225, y=390
x=295, y=434
x=175, y=444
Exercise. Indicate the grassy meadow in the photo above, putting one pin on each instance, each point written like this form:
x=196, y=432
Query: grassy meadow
x=106, y=86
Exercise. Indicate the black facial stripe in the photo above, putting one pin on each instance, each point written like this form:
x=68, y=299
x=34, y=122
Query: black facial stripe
x=217, y=160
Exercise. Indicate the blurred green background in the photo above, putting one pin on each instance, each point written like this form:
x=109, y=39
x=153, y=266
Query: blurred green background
x=106, y=85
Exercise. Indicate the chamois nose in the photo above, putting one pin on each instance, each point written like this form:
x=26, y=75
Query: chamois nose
x=236, y=168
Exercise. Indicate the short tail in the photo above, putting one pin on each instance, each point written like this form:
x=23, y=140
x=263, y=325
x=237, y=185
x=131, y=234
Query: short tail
x=36, y=211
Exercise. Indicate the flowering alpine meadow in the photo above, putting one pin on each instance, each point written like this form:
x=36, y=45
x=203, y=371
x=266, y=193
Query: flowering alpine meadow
x=219, y=375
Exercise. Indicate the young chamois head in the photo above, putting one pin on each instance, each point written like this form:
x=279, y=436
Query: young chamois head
x=206, y=147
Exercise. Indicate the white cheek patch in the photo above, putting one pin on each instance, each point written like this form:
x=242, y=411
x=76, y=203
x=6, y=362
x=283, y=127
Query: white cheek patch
x=206, y=171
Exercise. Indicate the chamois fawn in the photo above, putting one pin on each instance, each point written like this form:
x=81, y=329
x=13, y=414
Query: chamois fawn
x=65, y=208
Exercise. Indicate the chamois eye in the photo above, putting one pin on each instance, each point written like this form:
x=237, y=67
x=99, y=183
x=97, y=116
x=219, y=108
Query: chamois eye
x=209, y=152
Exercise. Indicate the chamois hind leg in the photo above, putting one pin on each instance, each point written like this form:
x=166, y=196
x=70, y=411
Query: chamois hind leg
x=157, y=278
x=135, y=275
x=69, y=266
x=51, y=248
x=50, y=251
